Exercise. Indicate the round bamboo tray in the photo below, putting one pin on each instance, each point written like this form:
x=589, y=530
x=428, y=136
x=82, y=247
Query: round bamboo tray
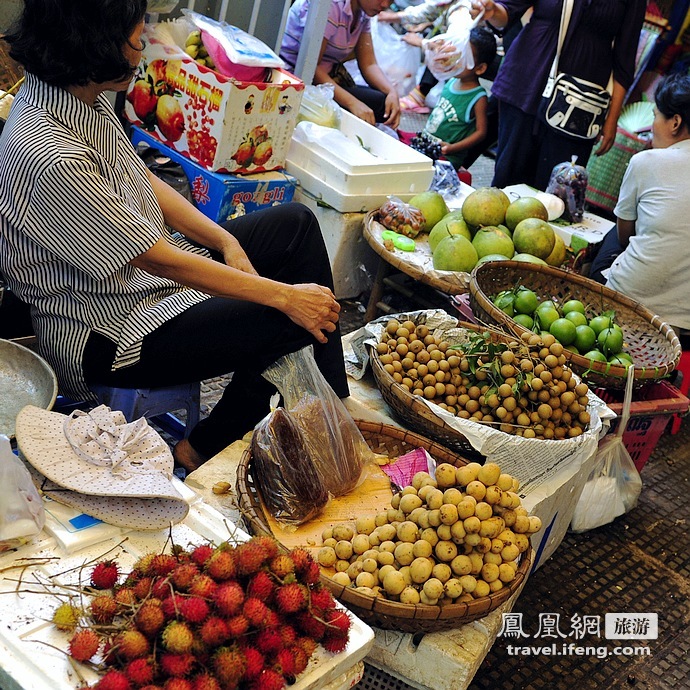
x=381, y=613
x=651, y=342
x=421, y=268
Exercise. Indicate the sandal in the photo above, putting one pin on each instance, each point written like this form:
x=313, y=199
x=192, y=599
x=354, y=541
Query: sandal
x=414, y=102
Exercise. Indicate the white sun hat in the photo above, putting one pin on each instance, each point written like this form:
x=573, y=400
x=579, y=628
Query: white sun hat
x=96, y=461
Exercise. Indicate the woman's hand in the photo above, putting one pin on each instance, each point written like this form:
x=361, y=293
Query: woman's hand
x=391, y=112
x=493, y=12
x=607, y=137
x=235, y=257
x=362, y=111
x=413, y=39
x=314, y=308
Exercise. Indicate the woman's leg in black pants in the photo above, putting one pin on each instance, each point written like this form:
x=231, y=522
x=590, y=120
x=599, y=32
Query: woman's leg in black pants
x=374, y=98
x=608, y=251
x=221, y=335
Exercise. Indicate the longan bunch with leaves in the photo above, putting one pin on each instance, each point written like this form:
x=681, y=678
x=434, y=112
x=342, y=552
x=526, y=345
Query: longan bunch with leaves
x=521, y=387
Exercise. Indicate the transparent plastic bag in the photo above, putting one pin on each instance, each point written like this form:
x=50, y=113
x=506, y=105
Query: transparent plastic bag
x=22, y=515
x=398, y=216
x=614, y=484
x=319, y=106
x=331, y=435
x=449, y=53
x=568, y=181
x=399, y=60
x=287, y=475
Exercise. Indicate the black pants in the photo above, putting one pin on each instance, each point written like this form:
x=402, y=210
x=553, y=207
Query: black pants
x=220, y=335
x=608, y=251
x=374, y=98
x=528, y=150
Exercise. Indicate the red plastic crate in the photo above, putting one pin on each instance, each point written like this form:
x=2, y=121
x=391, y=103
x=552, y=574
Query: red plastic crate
x=650, y=411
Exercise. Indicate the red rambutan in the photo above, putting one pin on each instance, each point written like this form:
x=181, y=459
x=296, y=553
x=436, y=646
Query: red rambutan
x=268, y=544
x=285, y=659
x=337, y=621
x=103, y=609
x=163, y=564
x=301, y=558
x=256, y=612
x=287, y=634
x=269, y=679
x=150, y=618
x=104, y=575
x=125, y=598
x=237, y=626
x=311, y=574
x=177, y=665
x=229, y=664
x=142, y=587
x=273, y=620
x=161, y=588
x=203, y=586
x=292, y=598
x=307, y=644
x=131, y=644
x=177, y=637
x=66, y=616
x=140, y=672
x=183, y=575
x=84, y=644
x=268, y=641
x=200, y=554
x=143, y=565
x=228, y=598
x=322, y=599
x=194, y=609
x=255, y=662
x=113, y=680
x=178, y=684
x=300, y=659
x=221, y=565
x=205, y=681
x=281, y=565
x=310, y=625
x=250, y=557
x=171, y=606
x=214, y=632
x=261, y=586
x=335, y=644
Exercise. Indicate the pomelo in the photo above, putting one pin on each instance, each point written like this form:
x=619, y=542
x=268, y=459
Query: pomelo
x=529, y=258
x=455, y=253
x=505, y=199
x=534, y=236
x=492, y=240
x=483, y=207
x=525, y=207
x=445, y=227
x=492, y=257
x=558, y=253
x=433, y=207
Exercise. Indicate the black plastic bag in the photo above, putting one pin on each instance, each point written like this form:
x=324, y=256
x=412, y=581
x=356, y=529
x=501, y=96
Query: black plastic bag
x=164, y=168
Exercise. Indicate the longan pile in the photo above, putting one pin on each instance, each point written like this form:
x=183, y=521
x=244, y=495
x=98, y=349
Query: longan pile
x=522, y=388
x=453, y=537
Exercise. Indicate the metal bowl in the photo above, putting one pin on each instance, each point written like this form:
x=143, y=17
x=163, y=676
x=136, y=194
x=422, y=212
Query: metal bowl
x=25, y=379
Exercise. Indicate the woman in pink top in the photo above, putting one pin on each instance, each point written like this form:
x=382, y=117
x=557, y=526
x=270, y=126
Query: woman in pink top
x=347, y=35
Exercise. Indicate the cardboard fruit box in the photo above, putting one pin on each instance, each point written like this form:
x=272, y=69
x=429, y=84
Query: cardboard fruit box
x=222, y=196
x=223, y=124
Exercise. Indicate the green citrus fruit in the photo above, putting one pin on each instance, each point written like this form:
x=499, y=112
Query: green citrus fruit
x=546, y=316
x=547, y=303
x=595, y=356
x=526, y=301
x=573, y=305
x=620, y=360
x=585, y=338
x=577, y=317
x=599, y=323
x=525, y=320
x=610, y=341
x=571, y=348
x=564, y=331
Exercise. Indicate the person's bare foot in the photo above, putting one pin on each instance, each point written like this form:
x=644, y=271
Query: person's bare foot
x=186, y=457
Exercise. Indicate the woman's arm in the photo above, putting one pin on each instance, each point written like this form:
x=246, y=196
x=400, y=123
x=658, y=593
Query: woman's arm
x=310, y=306
x=608, y=131
x=376, y=78
x=625, y=229
x=184, y=217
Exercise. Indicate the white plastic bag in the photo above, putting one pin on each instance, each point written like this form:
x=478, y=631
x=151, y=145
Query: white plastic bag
x=22, y=515
x=319, y=106
x=399, y=60
x=450, y=53
x=614, y=485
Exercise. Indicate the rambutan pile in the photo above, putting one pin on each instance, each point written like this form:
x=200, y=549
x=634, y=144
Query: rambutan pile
x=245, y=617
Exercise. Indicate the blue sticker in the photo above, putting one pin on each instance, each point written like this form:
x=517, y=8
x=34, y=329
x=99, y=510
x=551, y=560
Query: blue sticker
x=83, y=521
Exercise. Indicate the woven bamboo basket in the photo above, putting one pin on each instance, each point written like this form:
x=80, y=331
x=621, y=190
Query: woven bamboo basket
x=652, y=343
x=450, y=283
x=414, y=618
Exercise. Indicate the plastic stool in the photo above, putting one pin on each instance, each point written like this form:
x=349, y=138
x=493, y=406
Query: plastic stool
x=684, y=387
x=156, y=403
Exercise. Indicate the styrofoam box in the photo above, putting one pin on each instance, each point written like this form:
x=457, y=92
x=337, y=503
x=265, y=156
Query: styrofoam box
x=36, y=578
x=350, y=188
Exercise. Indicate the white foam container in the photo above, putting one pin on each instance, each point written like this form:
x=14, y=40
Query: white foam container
x=29, y=663
x=350, y=187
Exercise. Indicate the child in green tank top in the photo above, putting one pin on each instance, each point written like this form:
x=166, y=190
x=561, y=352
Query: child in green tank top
x=460, y=119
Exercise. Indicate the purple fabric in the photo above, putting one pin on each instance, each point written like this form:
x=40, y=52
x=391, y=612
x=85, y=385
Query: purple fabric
x=341, y=39
x=587, y=52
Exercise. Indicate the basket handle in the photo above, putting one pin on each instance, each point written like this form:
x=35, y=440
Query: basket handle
x=627, y=401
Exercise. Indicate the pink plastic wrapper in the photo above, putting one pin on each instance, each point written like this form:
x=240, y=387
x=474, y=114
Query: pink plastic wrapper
x=406, y=466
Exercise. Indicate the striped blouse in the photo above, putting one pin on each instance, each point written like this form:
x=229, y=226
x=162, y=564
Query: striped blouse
x=75, y=207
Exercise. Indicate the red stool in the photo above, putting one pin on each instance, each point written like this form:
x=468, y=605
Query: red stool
x=684, y=369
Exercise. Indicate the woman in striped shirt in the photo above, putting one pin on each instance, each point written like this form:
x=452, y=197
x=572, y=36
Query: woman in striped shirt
x=129, y=284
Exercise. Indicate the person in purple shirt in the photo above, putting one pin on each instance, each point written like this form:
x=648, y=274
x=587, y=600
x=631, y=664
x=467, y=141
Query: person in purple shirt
x=602, y=38
x=347, y=34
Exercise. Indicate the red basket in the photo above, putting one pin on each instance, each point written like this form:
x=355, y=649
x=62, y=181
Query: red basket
x=650, y=411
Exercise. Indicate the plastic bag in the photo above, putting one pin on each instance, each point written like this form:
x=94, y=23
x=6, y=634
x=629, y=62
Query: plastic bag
x=614, y=485
x=319, y=106
x=399, y=60
x=396, y=215
x=449, y=53
x=22, y=515
x=445, y=181
x=568, y=181
x=287, y=475
x=331, y=435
